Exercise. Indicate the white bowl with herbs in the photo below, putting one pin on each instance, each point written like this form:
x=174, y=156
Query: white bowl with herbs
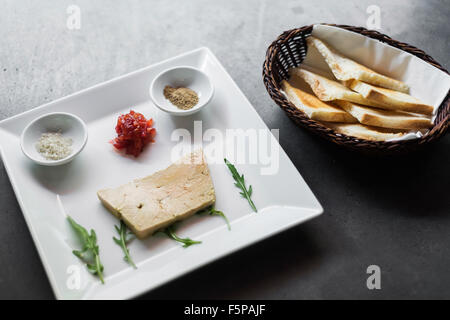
x=181, y=91
x=54, y=138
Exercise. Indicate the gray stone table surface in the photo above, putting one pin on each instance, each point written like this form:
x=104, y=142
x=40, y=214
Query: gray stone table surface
x=391, y=212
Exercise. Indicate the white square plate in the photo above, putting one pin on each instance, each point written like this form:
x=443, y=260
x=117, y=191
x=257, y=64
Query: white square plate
x=47, y=194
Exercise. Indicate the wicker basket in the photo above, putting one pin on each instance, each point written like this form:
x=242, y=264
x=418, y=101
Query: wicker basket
x=289, y=50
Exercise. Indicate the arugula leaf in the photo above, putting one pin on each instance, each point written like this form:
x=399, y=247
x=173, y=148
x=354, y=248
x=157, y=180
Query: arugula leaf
x=90, y=252
x=186, y=241
x=213, y=212
x=123, y=240
x=240, y=183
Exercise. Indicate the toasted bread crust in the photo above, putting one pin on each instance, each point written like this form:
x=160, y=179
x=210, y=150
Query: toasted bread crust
x=313, y=107
x=391, y=104
x=329, y=90
x=390, y=99
x=373, y=120
x=365, y=132
x=384, y=118
x=344, y=68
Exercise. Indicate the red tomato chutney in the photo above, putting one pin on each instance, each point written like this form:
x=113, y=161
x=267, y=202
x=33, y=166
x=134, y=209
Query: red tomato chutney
x=134, y=132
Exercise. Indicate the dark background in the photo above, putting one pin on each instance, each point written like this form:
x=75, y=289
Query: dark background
x=392, y=212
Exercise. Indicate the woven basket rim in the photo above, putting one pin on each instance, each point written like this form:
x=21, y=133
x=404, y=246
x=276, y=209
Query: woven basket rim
x=440, y=125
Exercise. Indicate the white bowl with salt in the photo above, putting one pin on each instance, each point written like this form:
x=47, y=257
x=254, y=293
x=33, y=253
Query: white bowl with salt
x=54, y=138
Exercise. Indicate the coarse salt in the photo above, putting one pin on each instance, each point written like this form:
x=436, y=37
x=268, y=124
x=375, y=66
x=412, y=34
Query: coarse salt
x=53, y=146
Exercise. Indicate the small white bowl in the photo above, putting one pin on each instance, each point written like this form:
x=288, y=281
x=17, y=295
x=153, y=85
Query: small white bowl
x=69, y=125
x=187, y=77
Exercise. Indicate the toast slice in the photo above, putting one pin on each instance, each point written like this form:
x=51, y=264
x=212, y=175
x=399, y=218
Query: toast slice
x=313, y=107
x=345, y=69
x=384, y=118
x=390, y=99
x=364, y=132
x=329, y=90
